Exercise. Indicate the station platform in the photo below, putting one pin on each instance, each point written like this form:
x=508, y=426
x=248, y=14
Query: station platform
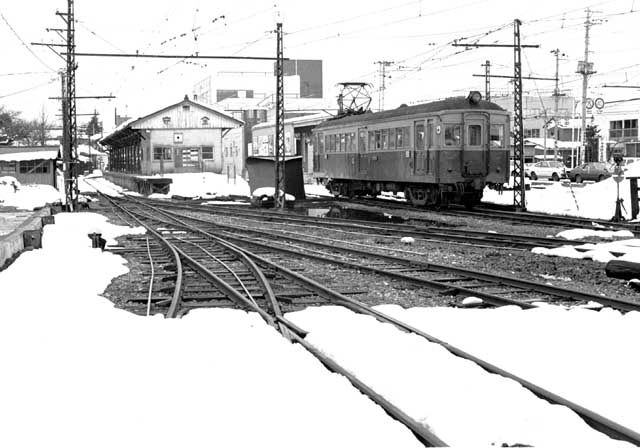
x=21, y=230
x=145, y=185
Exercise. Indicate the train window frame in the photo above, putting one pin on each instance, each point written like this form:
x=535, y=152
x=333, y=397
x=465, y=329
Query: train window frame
x=392, y=138
x=399, y=140
x=452, y=134
x=362, y=140
x=429, y=131
x=419, y=135
x=406, y=136
x=501, y=141
x=377, y=144
x=474, y=138
x=384, y=139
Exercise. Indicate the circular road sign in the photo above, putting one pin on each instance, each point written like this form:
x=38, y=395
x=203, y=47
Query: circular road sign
x=599, y=103
x=589, y=103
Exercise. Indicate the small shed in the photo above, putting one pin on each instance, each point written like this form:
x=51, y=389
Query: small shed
x=262, y=174
x=30, y=164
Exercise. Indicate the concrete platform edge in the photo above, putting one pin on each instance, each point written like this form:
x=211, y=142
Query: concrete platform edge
x=13, y=243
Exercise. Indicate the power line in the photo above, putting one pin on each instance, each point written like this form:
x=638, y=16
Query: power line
x=29, y=88
x=24, y=44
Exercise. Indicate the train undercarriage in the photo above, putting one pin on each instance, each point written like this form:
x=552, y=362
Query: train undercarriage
x=420, y=195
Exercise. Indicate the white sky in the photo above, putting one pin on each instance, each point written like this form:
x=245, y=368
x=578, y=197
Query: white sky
x=348, y=36
x=86, y=374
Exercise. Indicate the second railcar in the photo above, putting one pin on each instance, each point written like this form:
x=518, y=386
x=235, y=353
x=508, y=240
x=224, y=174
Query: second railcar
x=435, y=153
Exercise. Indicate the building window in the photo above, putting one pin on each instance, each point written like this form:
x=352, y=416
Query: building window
x=623, y=129
x=205, y=121
x=7, y=167
x=452, y=135
x=33, y=166
x=207, y=153
x=161, y=153
x=532, y=133
x=166, y=120
x=186, y=108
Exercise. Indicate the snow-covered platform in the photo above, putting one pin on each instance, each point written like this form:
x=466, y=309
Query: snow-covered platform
x=142, y=184
x=20, y=229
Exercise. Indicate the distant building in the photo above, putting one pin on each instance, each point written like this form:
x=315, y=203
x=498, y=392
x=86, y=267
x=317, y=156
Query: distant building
x=30, y=164
x=182, y=137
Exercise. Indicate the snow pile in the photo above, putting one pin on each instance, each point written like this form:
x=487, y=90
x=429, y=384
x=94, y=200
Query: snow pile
x=205, y=185
x=582, y=355
x=578, y=234
x=83, y=373
x=26, y=196
x=445, y=392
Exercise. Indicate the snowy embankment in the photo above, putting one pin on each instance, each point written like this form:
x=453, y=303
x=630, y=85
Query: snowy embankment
x=78, y=372
x=462, y=403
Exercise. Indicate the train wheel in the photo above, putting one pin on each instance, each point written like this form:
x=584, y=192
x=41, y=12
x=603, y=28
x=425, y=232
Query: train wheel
x=533, y=176
x=416, y=196
x=555, y=177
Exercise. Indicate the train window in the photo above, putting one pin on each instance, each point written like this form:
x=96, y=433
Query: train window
x=392, y=138
x=496, y=135
x=385, y=139
x=452, y=135
x=475, y=135
x=362, y=135
x=419, y=135
x=406, y=136
x=320, y=143
x=377, y=145
x=332, y=143
x=399, y=142
x=429, y=133
x=372, y=141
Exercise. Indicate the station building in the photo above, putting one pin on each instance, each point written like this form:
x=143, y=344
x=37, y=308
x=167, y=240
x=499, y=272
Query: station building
x=180, y=138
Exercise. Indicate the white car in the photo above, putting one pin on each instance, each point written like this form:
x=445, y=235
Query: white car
x=546, y=170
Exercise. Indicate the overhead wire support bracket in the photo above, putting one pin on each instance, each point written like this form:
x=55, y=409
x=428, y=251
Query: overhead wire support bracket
x=176, y=56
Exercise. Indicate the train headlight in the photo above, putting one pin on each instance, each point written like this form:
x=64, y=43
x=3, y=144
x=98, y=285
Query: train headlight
x=474, y=97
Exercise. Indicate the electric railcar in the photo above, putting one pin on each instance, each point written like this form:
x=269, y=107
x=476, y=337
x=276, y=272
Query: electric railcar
x=435, y=153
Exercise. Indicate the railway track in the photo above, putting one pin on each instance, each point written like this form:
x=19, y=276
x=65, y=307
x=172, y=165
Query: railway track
x=506, y=213
x=250, y=280
x=431, y=233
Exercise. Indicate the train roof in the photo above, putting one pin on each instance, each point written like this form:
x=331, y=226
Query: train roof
x=455, y=103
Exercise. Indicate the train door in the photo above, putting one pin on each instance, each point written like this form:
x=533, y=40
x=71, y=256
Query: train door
x=474, y=146
x=419, y=153
x=429, y=144
x=361, y=160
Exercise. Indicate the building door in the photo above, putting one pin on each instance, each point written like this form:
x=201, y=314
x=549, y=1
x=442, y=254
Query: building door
x=419, y=153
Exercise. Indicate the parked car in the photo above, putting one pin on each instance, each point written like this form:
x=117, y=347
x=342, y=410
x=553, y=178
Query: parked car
x=546, y=170
x=591, y=171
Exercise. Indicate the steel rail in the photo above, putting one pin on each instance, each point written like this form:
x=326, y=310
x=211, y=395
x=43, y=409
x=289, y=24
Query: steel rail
x=497, y=279
x=177, y=292
x=295, y=334
x=594, y=419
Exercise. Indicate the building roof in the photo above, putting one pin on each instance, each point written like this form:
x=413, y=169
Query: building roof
x=21, y=153
x=132, y=124
x=305, y=120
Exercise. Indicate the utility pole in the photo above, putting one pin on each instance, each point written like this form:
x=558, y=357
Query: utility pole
x=70, y=147
x=383, y=76
x=487, y=77
x=585, y=68
x=518, y=137
x=279, y=196
x=556, y=98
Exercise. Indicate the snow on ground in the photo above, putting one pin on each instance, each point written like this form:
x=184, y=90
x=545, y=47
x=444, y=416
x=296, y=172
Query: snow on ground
x=78, y=372
x=26, y=196
x=589, y=200
x=461, y=402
